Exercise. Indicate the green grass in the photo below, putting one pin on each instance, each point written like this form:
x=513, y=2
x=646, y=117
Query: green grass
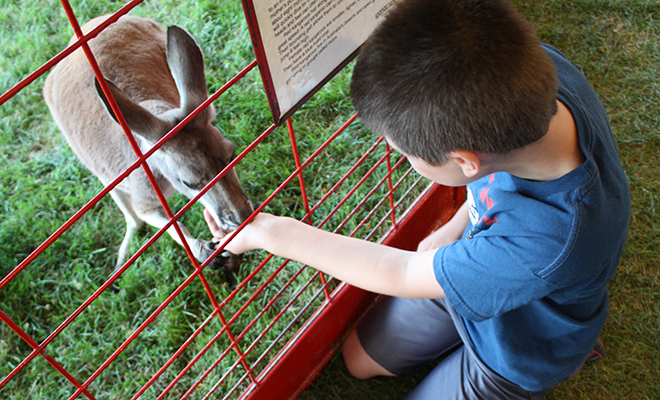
x=42, y=185
x=615, y=43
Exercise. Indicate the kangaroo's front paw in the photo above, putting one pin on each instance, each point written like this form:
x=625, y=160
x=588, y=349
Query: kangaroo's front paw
x=228, y=262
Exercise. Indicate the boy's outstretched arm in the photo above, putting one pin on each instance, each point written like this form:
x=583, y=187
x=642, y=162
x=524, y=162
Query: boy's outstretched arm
x=367, y=265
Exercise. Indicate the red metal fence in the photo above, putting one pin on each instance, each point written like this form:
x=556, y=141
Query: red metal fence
x=274, y=331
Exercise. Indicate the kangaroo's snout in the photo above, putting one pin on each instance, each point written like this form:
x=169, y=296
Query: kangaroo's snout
x=229, y=210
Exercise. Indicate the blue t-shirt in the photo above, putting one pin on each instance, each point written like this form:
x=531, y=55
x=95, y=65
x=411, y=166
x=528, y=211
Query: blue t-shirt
x=529, y=279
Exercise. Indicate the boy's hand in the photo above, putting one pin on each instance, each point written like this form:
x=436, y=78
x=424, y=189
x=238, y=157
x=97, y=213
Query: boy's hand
x=436, y=240
x=245, y=240
x=217, y=232
x=448, y=233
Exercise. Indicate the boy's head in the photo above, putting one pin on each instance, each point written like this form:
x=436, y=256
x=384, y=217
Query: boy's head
x=444, y=75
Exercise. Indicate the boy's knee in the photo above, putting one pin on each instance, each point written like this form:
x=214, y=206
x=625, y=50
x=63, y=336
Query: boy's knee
x=358, y=362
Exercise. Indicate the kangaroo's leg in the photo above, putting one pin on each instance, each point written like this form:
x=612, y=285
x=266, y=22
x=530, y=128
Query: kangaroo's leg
x=201, y=249
x=158, y=219
x=148, y=209
x=133, y=224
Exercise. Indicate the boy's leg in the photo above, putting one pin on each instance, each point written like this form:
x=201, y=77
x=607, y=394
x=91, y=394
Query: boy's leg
x=463, y=376
x=358, y=362
x=399, y=335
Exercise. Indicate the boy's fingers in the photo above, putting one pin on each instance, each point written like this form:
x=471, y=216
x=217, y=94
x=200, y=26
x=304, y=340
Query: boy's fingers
x=210, y=221
x=213, y=226
x=424, y=245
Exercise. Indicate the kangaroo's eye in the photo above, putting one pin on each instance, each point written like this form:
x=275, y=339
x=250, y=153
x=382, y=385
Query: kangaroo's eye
x=193, y=185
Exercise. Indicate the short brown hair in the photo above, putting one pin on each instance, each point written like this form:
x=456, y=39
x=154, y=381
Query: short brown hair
x=444, y=75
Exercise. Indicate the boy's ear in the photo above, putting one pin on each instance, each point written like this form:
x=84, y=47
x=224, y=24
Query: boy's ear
x=468, y=161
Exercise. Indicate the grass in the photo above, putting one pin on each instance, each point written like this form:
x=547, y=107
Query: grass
x=42, y=185
x=615, y=43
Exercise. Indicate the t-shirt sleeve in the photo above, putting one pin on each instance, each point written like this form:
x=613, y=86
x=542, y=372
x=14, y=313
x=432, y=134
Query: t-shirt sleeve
x=484, y=277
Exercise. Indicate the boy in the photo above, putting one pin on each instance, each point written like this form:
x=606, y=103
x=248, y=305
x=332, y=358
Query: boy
x=512, y=291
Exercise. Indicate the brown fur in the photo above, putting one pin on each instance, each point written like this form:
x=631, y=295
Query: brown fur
x=149, y=88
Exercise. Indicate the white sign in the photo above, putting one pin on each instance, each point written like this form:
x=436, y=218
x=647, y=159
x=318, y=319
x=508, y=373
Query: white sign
x=305, y=41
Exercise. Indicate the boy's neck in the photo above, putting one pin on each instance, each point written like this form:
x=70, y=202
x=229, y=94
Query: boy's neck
x=551, y=157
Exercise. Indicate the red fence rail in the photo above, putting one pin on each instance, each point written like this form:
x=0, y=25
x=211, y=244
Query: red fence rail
x=273, y=332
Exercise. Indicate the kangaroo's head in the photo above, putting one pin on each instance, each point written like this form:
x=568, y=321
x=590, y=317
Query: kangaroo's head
x=198, y=152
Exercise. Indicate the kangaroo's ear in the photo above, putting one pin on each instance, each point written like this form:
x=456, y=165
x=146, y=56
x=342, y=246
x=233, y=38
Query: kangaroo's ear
x=140, y=120
x=186, y=62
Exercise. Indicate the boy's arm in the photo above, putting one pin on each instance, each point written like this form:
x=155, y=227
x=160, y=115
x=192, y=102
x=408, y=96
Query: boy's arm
x=367, y=265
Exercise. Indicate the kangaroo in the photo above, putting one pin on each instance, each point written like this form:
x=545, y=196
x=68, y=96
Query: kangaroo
x=157, y=79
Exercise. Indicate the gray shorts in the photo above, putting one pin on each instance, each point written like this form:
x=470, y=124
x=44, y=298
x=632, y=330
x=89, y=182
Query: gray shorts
x=403, y=335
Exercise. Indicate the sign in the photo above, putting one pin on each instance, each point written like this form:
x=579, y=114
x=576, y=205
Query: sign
x=301, y=44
